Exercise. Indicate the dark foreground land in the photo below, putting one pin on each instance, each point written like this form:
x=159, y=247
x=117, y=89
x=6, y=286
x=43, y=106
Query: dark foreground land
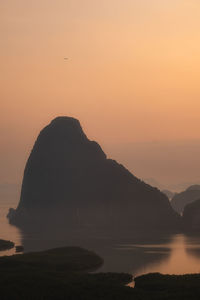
x=63, y=273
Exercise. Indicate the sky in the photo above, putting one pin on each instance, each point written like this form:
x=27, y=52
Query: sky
x=131, y=78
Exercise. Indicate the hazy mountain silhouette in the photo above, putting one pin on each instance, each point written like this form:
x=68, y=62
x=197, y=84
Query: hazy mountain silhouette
x=168, y=193
x=191, y=216
x=179, y=200
x=155, y=183
x=194, y=187
x=70, y=183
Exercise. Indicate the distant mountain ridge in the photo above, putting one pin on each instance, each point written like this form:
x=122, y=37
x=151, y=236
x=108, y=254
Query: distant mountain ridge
x=191, y=216
x=69, y=180
x=168, y=193
x=180, y=200
x=194, y=187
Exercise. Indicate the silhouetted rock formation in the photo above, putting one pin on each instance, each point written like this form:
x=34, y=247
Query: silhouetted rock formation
x=69, y=182
x=5, y=245
x=191, y=216
x=179, y=201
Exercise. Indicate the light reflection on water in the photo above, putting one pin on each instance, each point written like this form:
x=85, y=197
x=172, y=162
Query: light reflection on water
x=181, y=259
x=178, y=254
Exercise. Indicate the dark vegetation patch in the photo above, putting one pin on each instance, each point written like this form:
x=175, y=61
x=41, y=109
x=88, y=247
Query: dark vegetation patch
x=60, y=273
x=70, y=259
x=63, y=273
x=168, y=287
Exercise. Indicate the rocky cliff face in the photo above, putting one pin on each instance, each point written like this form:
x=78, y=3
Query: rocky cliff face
x=69, y=180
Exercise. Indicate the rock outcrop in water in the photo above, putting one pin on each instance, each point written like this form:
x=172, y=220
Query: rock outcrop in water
x=68, y=181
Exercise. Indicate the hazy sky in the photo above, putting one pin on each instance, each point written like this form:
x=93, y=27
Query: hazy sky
x=132, y=79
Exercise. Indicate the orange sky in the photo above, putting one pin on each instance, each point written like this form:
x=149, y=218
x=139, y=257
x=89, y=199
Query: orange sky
x=132, y=79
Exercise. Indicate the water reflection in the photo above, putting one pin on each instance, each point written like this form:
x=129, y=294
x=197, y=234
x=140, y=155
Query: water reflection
x=135, y=253
x=175, y=254
x=192, y=245
x=127, y=254
x=182, y=258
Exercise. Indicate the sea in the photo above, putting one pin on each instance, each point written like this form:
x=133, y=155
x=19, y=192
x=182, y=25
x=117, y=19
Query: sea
x=172, y=254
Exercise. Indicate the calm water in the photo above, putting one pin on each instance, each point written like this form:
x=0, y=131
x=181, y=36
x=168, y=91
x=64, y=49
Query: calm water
x=180, y=256
x=177, y=254
x=8, y=232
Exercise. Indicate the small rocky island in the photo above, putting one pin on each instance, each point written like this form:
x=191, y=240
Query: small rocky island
x=6, y=245
x=69, y=180
x=70, y=259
